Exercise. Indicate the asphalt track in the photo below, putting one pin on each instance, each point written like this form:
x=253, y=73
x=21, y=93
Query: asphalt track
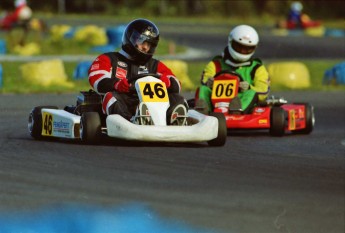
x=255, y=183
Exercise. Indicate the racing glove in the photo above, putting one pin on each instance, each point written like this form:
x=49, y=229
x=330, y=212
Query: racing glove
x=244, y=86
x=209, y=82
x=166, y=80
x=122, y=85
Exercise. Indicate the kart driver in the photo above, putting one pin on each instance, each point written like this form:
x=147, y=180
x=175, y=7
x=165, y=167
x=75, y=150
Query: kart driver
x=294, y=18
x=20, y=17
x=109, y=73
x=237, y=57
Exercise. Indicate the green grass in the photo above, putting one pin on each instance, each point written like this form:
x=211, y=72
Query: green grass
x=14, y=83
x=49, y=46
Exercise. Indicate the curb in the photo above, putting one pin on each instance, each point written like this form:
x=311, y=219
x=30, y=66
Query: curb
x=190, y=54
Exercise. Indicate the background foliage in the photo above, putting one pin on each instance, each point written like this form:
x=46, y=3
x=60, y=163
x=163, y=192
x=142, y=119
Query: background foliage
x=228, y=8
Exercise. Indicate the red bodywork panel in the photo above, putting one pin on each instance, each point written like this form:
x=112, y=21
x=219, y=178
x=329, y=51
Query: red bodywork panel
x=295, y=116
x=259, y=119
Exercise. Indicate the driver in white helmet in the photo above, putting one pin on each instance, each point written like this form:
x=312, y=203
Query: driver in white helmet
x=294, y=19
x=238, y=57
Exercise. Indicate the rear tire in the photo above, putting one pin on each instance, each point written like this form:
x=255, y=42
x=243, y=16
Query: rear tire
x=277, y=121
x=222, y=130
x=309, y=120
x=35, y=121
x=90, y=128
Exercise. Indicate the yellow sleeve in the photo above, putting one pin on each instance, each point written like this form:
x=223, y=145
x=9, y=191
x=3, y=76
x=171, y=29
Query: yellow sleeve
x=261, y=83
x=208, y=72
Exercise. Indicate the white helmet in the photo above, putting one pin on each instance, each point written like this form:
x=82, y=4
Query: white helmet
x=243, y=40
x=18, y=3
x=296, y=6
x=25, y=13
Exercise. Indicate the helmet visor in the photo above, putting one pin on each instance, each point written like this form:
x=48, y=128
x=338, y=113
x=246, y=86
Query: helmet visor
x=139, y=40
x=242, y=49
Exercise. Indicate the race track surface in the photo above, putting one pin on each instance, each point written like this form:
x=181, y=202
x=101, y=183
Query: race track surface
x=254, y=184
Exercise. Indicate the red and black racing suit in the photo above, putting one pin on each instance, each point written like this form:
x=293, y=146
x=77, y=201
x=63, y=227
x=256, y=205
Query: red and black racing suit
x=109, y=68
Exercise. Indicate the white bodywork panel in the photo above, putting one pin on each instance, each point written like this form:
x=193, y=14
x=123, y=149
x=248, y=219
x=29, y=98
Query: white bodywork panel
x=205, y=130
x=157, y=106
x=59, y=123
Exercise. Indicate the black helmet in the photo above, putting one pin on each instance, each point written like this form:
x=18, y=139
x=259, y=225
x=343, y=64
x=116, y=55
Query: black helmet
x=137, y=32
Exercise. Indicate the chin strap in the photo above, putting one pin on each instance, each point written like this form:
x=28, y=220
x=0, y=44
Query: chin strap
x=227, y=61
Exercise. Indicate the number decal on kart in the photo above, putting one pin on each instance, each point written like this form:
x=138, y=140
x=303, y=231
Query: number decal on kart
x=47, y=124
x=292, y=120
x=223, y=89
x=153, y=92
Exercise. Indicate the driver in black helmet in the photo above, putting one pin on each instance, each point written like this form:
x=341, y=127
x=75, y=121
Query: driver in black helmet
x=109, y=74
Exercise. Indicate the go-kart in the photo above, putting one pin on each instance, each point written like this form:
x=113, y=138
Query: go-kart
x=275, y=114
x=305, y=23
x=86, y=122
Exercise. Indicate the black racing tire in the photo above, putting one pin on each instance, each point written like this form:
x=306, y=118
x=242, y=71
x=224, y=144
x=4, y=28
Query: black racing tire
x=309, y=120
x=90, y=128
x=221, y=138
x=35, y=121
x=277, y=121
x=191, y=103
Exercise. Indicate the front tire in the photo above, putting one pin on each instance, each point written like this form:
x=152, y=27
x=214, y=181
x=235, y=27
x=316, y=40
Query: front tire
x=90, y=128
x=277, y=121
x=35, y=121
x=222, y=130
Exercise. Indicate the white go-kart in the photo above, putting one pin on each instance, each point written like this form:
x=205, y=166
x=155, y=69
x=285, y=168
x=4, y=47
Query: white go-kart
x=86, y=122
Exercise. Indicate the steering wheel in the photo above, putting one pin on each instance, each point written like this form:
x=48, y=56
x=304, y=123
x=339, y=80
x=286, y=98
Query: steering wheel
x=138, y=76
x=228, y=72
x=134, y=78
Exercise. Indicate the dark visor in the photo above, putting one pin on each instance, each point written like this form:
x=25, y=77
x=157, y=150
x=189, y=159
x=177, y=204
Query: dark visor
x=243, y=49
x=137, y=39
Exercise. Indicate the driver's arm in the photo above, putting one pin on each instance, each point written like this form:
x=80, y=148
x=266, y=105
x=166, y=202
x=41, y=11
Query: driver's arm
x=100, y=75
x=166, y=73
x=261, y=83
x=208, y=74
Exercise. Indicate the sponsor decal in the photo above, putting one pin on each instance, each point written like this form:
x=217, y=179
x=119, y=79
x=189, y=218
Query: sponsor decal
x=222, y=105
x=120, y=73
x=301, y=113
x=235, y=118
x=143, y=70
x=224, y=110
x=122, y=64
x=61, y=127
x=263, y=121
x=259, y=110
x=95, y=66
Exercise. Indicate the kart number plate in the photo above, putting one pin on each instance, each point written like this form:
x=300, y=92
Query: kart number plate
x=153, y=92
x=47, y=124
x=223, y=89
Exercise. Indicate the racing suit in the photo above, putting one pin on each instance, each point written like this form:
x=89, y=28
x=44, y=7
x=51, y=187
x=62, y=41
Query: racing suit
x=110, y=68
x=252, y=71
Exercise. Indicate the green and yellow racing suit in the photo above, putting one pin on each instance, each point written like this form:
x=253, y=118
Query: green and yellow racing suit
x=252, y=71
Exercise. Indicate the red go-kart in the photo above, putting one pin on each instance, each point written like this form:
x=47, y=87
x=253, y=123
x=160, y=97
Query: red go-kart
x=275, y=114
